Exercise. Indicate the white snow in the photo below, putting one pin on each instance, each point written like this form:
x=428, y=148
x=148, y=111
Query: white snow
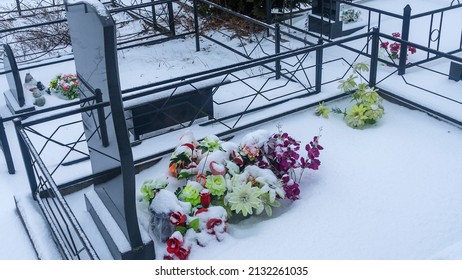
x=166, y=202
x=109, y=223
x=392, y=191
x=37, y=227
x=99, y=7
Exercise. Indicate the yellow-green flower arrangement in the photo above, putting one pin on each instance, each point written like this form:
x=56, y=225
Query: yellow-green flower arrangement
x=367, y=108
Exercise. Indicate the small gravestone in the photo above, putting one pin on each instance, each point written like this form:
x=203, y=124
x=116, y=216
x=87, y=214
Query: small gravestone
x=455, y=71
x=14, y=96
x=112, y=204
x=325, y=18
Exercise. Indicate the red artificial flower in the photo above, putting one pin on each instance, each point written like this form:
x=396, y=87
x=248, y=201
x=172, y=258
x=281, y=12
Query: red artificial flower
x=396, y=35
x=168, y=257
x=182, y=253
x=177, y=218
x=205, y=198
x=237, y=158
x=412, y=49
x=202, y=210
x=189, y=145
x=212, y=223
x=173, y=245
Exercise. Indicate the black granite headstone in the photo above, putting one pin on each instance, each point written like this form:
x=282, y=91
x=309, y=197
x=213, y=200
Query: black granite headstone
x=325, y=18
x=93, y=37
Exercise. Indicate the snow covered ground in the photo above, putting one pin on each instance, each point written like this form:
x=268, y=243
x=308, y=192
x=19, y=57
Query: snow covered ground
x=392, y=191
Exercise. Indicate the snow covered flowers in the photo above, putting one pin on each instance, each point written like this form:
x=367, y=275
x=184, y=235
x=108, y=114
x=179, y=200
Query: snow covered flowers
x=212, y=180
x=350, y=15
x=393, y=49
x=66, y=85
x=151, y=187
x=244, y=198
x=216, y=184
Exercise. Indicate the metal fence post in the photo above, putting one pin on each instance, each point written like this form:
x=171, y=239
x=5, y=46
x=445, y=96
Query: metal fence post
x=171, y=18
x=269, y=18
x=6, y=148
x=28, y=164
x=374, y=57
x=196, y=25
x=18, y=6
x=154, y=16
x=278, y=49
x=319, y=56
x=405, y=37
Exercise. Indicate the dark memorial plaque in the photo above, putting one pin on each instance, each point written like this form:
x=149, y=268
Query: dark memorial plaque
x=325, y=18
x=14, y=96
x=93, y=37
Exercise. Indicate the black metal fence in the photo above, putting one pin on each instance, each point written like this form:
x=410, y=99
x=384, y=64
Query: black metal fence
x=43, y=39
x=69, y=236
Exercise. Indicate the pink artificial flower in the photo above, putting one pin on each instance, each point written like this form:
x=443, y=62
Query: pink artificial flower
x=251, y=151
x=384, y=45
x=412, y=49
x=395, y=47
x=217, y=169
x=396, y=35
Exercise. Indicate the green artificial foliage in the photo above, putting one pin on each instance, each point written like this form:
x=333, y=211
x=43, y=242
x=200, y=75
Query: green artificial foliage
x=367, y=108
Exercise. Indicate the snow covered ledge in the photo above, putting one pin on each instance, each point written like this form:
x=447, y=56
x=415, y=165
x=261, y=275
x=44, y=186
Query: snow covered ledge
x=37, y=228
x=99, y=7
x=105, y=220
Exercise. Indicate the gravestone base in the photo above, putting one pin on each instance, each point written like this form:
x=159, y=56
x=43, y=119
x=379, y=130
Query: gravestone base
x=333, y=29
x=455, y=71
x=13, y=105
x=114, y=237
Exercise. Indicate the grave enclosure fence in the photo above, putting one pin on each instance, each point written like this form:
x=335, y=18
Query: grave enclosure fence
x=42, y=168
x=42, y=38
x=272, y=77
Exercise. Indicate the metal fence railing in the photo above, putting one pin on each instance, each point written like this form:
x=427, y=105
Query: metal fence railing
x=69, y=236
x=43, y=38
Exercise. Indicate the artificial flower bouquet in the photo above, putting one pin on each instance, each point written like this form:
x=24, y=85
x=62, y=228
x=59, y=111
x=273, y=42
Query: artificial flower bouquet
x=392, y=50
x=350, y=16
x=367, y=108
x=213, y=181
x=65, y=86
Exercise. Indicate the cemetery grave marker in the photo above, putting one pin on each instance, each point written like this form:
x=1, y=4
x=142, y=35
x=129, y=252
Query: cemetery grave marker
x=112, y=203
